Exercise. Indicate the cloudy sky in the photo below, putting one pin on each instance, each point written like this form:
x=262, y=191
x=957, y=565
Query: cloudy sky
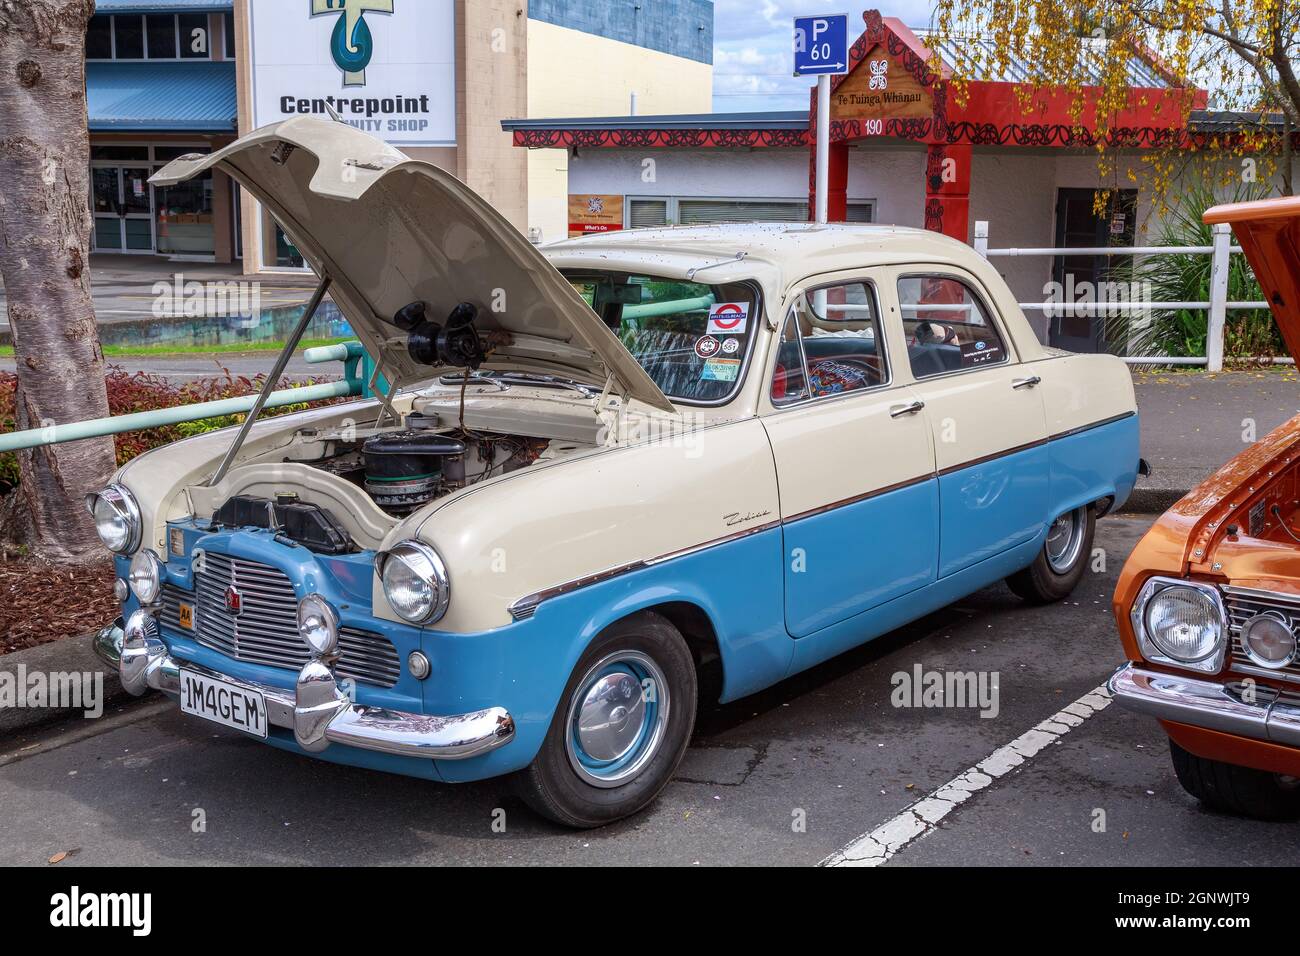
x=752, y=61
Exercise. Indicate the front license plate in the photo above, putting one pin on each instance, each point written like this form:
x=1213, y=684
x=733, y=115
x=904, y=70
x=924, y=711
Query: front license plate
x=223, y=703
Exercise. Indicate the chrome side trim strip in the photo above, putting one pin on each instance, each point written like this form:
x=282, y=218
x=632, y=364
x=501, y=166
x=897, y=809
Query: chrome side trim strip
x=866, y=496
x=1086, y=428
x=526, y=607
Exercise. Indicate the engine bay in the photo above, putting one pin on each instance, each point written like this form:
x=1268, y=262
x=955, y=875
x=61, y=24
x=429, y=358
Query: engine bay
x=403, y=468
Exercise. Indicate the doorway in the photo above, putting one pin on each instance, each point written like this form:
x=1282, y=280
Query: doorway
x=1078, y=225
x=123, y=208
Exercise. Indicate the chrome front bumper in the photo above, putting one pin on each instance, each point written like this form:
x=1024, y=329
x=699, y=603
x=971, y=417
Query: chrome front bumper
x=316, y=711
x=1208, y=704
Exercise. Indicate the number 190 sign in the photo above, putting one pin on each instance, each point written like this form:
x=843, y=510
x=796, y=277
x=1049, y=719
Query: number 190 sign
x=821, y=45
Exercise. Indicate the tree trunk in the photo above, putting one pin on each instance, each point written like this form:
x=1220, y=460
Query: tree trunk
x=44, y=261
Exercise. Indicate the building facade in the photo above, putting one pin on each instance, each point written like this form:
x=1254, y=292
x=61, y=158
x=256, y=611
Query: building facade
x=903, y=152
x=433, y=77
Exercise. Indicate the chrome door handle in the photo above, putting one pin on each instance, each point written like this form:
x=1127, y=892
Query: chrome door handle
x=1026, y=382
x=898, y=411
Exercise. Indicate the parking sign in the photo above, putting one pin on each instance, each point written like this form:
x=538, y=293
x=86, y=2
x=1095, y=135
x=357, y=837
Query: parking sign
x=821, y=45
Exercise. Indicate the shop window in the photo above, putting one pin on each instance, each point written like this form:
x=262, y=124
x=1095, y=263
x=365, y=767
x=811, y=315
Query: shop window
x=647, y=213
x=184, y=214
x=162, y=36
x=99, y=38
x=165, y=154
x=287, y=255
x=120, y=153
x=195, y=43
x=861, y=212
x=698, y=211
x=128, y=34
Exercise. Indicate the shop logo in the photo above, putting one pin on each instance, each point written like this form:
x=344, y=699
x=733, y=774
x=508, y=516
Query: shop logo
x=351, y=44
x=879, y=75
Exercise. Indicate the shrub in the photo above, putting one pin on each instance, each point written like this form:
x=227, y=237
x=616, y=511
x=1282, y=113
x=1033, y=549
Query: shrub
x=1186, y=278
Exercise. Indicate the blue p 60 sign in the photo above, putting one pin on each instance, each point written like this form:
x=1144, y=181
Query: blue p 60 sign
x=821, y=44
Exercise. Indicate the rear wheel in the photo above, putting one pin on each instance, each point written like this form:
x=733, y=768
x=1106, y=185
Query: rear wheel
x=1243, y=791
x=621, y=728
x=1059, y=564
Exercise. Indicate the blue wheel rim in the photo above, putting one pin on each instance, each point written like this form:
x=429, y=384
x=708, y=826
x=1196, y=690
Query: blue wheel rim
x=602, y=692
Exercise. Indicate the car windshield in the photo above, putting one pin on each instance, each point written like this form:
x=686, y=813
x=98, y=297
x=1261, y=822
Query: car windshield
x=692, y=339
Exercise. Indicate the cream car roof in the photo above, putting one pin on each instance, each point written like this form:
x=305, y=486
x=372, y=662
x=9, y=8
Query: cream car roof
x=782, y=256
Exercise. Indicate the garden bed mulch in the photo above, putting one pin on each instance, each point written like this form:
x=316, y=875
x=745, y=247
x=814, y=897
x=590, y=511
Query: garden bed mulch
x=40, y=603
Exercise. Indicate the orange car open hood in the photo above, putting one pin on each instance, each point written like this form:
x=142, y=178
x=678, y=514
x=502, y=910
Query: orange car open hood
x=1269, y=233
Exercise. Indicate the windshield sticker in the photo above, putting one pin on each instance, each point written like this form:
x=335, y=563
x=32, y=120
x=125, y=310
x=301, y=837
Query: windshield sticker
x=706, y=346
x=980, y=353
x=728, y=318
x=730, y=346
x=720, y=370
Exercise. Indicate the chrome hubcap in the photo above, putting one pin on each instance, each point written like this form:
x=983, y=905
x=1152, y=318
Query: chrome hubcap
x=616, y=718
x=1065, y=540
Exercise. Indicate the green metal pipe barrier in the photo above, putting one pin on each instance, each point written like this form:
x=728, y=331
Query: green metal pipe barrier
x=138, y=421
x=650, y=310
x=350, y=353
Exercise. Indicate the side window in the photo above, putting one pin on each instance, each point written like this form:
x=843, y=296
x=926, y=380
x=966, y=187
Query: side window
x=830, y=344
x=947, y=327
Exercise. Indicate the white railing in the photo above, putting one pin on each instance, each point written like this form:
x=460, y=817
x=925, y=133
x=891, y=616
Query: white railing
x=1218, y=305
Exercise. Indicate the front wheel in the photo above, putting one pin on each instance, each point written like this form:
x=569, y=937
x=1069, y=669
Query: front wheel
x=620, y=729
x=1243, y=791
x=1059, y=565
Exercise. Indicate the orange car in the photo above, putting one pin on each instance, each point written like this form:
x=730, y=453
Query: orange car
x=1208, y=604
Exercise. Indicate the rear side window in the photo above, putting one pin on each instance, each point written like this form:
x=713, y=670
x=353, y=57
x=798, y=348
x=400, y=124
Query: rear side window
x=948, y=328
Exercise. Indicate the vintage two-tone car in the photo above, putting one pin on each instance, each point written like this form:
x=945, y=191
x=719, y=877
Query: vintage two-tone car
x=1208, y=604
x=606, y=479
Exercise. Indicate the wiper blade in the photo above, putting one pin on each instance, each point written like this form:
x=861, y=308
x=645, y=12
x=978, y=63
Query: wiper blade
x=520, y=378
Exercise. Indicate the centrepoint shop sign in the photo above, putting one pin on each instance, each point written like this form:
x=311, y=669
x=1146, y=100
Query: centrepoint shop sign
x=385, y=66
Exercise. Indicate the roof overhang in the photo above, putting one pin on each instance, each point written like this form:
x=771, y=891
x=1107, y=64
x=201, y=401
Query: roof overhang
x=138, y=96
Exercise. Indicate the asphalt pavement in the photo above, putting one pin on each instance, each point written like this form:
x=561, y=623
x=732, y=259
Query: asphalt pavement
x=789, y=776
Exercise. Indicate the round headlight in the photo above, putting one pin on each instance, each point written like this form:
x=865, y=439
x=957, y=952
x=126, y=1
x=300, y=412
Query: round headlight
x=1268, y=640
x=145, y=576
x=318, y=625
x=415, y=582
x=1184, y=624
x=117, y=518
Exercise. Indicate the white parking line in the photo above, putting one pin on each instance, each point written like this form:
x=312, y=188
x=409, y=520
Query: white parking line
x=878, y=846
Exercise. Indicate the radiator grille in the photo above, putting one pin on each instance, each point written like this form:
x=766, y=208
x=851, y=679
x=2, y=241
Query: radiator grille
x=1244, y=603
x=266, y=629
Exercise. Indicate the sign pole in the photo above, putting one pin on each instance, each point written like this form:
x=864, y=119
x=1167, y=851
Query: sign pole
x=823, y=146
x=821, y=49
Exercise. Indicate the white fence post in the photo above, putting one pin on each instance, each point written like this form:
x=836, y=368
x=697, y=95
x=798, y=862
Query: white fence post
x=982, y=237
x=1218, y=297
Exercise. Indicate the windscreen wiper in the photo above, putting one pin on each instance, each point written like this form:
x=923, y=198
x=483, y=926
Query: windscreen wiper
x=520, y=378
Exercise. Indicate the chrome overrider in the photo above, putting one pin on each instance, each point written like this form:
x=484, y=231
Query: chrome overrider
x=316, y=710
x=1261, y=714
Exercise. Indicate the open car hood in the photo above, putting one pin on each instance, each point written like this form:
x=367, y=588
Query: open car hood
x=389, y=231
x=1269, y=233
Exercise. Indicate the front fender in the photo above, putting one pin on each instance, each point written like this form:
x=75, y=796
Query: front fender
x=526, y=665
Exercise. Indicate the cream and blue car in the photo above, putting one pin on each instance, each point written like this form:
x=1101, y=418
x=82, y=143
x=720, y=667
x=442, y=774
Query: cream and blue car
x=602, y=481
